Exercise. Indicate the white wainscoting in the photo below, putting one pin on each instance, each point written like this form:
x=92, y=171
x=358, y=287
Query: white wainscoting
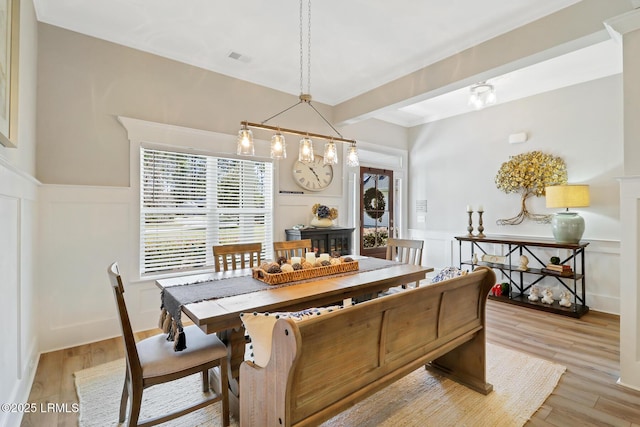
x=83, y=230
x=19, y=349
x=602, y=279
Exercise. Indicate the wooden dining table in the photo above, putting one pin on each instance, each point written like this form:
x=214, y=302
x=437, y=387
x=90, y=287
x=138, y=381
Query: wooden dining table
x=221, y=314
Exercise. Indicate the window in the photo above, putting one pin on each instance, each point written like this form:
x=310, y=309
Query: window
x=191, y=202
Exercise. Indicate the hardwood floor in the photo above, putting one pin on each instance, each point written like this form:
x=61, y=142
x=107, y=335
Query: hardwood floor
x=587, y=394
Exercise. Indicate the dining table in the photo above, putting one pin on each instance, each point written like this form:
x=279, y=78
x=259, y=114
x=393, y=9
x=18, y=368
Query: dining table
x=214, y=301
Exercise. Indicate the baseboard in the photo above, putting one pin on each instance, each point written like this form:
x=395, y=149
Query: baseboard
x=22, y=390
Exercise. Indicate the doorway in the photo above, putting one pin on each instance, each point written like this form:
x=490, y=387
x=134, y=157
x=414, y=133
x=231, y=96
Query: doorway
x=376, y=211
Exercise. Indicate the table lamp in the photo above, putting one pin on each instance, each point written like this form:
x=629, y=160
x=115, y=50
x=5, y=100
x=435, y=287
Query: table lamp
x=567, y=226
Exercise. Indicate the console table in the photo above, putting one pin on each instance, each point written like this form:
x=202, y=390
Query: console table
x=326, y=240
x=521, y=281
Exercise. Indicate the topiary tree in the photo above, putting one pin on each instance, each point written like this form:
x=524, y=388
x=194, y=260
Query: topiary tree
x=529, y=174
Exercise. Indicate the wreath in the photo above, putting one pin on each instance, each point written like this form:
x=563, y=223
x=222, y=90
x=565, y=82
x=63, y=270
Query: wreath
x=374, y=203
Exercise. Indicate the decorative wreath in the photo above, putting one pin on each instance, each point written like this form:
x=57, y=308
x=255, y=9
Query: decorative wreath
x=375, y=209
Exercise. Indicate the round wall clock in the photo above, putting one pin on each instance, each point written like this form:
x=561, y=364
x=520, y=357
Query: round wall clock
x=314, y=176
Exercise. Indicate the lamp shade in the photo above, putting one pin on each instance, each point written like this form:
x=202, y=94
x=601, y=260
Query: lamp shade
x=567, y=196
x=305, y=152
x=278, y=146
x=245, y=142
x=567, y=227
x=352, y=157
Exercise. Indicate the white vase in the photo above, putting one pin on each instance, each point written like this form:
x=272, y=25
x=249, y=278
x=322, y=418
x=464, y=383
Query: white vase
x=321, y=222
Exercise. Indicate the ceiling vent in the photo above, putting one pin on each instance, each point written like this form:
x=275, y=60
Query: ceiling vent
x=239, y=57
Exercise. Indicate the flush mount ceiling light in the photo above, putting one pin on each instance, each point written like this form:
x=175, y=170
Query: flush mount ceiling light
x=481, y=95
x=278, y=145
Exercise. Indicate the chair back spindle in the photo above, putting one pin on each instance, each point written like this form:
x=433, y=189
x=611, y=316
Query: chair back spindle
x=406, y=251
x=291, y=248
x=233, y=257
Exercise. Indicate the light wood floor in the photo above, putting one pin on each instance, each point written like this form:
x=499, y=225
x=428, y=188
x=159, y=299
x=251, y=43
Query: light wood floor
x=587, y=394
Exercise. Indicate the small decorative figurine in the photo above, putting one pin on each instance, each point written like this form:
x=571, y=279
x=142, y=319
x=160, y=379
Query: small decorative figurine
x=565, y=299
x=475, y=259
x=524, y=262
x=534, y=294
x=496, y=290
x=547, y=296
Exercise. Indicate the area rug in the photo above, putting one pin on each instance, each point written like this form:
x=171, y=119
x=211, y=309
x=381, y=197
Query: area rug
x=521, y=385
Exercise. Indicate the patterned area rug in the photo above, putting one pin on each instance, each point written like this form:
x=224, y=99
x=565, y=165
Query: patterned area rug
x=521, y=385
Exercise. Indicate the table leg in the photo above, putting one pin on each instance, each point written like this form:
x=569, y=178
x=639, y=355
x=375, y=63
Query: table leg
x=235, y=341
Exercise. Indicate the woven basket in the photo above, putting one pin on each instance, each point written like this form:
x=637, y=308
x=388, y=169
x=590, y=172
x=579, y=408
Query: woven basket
x=309, y=273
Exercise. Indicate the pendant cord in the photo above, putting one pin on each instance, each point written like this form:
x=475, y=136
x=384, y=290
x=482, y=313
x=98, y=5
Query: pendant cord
x=309, y=49
x=301, y=50
x=306, y=98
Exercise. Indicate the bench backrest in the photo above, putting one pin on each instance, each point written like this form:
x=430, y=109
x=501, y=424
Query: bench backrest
x=324, y=364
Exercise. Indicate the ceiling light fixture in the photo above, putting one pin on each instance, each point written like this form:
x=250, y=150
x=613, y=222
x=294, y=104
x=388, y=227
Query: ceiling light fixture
x=305, y=151
x=481, y=95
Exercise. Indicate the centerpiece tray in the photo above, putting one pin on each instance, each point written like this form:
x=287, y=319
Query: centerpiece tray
x=309, y=273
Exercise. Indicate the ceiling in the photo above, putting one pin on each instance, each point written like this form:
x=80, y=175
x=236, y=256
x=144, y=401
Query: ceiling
x=356, y=45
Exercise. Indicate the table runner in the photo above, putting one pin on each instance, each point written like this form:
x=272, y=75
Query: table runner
x=174, y=297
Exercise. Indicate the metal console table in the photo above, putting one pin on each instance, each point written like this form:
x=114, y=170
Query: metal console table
x=518, y=286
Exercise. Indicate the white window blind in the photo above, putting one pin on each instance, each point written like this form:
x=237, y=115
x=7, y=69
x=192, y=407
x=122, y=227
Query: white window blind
x=190, y=202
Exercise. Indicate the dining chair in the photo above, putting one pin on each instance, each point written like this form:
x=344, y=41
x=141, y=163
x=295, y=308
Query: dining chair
x=406, y=251
x=291, y=248
x=153, y=361
x=232, y=257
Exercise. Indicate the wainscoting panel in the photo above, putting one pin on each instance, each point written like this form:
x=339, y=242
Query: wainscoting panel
x=18, y=228
x=83, y=230
x=9, y=289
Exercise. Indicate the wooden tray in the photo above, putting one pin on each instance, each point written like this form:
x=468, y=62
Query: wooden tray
x=309, y=273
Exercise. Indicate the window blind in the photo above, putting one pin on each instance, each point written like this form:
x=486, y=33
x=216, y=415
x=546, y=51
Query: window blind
x=191, y=202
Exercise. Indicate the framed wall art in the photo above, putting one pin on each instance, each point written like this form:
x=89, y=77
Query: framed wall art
x=9, y=35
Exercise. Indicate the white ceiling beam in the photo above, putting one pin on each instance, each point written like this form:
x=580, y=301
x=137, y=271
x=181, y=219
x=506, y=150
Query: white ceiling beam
x=572, y=28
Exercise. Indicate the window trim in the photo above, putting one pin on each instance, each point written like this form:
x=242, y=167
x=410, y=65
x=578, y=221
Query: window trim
x=162, y=136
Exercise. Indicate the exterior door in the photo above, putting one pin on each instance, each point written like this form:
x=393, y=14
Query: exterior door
x=376, y=211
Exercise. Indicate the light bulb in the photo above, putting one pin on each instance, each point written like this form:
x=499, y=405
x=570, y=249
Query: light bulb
x=278, y=146
x=352, y=156
x=245, y=142
x=330, y=153
x=305, y=153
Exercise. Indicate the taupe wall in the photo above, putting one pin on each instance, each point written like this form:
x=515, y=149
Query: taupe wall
x=85, y=83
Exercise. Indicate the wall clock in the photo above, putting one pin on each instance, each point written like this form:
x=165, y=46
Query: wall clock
x=314, y=176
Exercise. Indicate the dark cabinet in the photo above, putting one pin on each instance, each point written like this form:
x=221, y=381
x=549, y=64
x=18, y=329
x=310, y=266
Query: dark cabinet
x=326, y=240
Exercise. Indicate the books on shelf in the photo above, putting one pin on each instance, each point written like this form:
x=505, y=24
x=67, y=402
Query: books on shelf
x=562, y=270
x=558, y=267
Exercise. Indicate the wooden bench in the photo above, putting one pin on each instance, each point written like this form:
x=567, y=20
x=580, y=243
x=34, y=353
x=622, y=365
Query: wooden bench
x=322, y=365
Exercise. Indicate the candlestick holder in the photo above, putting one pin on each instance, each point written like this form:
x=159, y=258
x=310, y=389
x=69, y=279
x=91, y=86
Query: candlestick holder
x=470, y=227
x=480, y=227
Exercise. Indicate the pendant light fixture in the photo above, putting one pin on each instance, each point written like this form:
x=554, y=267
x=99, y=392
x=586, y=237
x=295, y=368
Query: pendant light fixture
x=330, y=153
x=278, y=146
x=305, y=151
x=245, y=142
x=352, y=156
